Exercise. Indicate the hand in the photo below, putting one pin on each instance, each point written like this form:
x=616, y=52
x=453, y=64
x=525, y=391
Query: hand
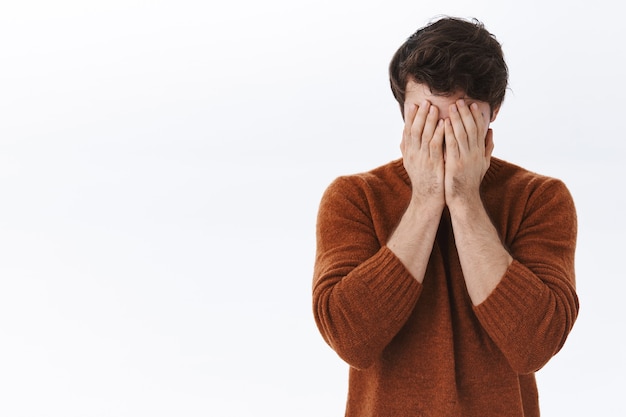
x=422, y=152
x=469, y=144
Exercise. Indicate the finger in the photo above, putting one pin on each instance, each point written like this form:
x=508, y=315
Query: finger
x=436, y=143
x=410, y=110
x=452, y=145
x=456, y=123
x=431, y=123
x=467, y=116
x=417, y=128
x=480, y=124
x=470, y=123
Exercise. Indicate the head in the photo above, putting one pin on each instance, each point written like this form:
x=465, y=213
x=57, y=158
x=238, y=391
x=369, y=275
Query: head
x=451, y=57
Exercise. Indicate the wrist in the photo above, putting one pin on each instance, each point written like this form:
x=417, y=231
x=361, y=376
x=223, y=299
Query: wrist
x=465, y=206
x=433, y=204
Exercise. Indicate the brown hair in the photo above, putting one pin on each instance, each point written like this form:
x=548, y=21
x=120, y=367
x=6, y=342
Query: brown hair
x=451, y=55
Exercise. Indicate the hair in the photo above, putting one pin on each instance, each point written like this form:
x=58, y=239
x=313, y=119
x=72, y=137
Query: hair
x=451, y=55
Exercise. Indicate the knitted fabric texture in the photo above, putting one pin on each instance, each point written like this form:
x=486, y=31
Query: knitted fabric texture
x=424, y=349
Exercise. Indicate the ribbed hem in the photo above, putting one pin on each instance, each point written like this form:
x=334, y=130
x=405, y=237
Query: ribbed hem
x=391, y=284
x=506, y=308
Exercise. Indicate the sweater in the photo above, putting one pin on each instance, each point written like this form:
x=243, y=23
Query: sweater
x=424, y=349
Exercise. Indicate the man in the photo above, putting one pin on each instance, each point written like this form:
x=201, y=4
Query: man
x=445, y=279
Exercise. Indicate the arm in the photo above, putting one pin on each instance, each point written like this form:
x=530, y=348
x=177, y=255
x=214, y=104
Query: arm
x=422, y=155
x=483, y=258
x=532, y=310
x=524, y=297
x=469, y=145
x=364, y=293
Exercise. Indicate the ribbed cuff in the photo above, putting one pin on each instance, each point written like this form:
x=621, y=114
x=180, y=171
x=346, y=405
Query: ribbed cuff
x=392, y=284
x=510, y=303
x=399, y=167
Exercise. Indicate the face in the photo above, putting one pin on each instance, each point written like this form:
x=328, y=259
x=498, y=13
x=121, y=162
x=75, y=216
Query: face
x=416, y=94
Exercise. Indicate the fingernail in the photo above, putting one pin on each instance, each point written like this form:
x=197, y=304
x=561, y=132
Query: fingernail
x=461, y=102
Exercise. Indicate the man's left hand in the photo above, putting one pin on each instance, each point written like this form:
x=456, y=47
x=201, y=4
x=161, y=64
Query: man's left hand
x=469, y=144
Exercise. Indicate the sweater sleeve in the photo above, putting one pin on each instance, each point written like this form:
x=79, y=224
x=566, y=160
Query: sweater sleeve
x=362, y=294
x=532, y=310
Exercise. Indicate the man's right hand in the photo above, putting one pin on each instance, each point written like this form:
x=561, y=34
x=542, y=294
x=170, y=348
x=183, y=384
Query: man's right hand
x=422, y=152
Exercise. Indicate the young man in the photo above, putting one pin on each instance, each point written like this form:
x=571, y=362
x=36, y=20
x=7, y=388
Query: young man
x=445, y=279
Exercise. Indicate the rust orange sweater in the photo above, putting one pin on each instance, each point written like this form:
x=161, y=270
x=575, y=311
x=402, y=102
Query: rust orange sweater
x=424, y=349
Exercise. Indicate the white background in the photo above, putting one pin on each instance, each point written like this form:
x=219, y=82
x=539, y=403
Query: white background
x=161, y=164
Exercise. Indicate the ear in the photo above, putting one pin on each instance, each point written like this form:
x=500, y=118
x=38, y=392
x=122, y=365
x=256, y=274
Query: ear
x=494, y=113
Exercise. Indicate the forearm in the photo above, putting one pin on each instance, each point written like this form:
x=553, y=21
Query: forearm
x=530, y=304
x=484, y=259
x=412, y=241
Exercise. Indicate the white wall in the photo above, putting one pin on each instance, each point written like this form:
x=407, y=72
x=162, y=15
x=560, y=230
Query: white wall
x=160, y=169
